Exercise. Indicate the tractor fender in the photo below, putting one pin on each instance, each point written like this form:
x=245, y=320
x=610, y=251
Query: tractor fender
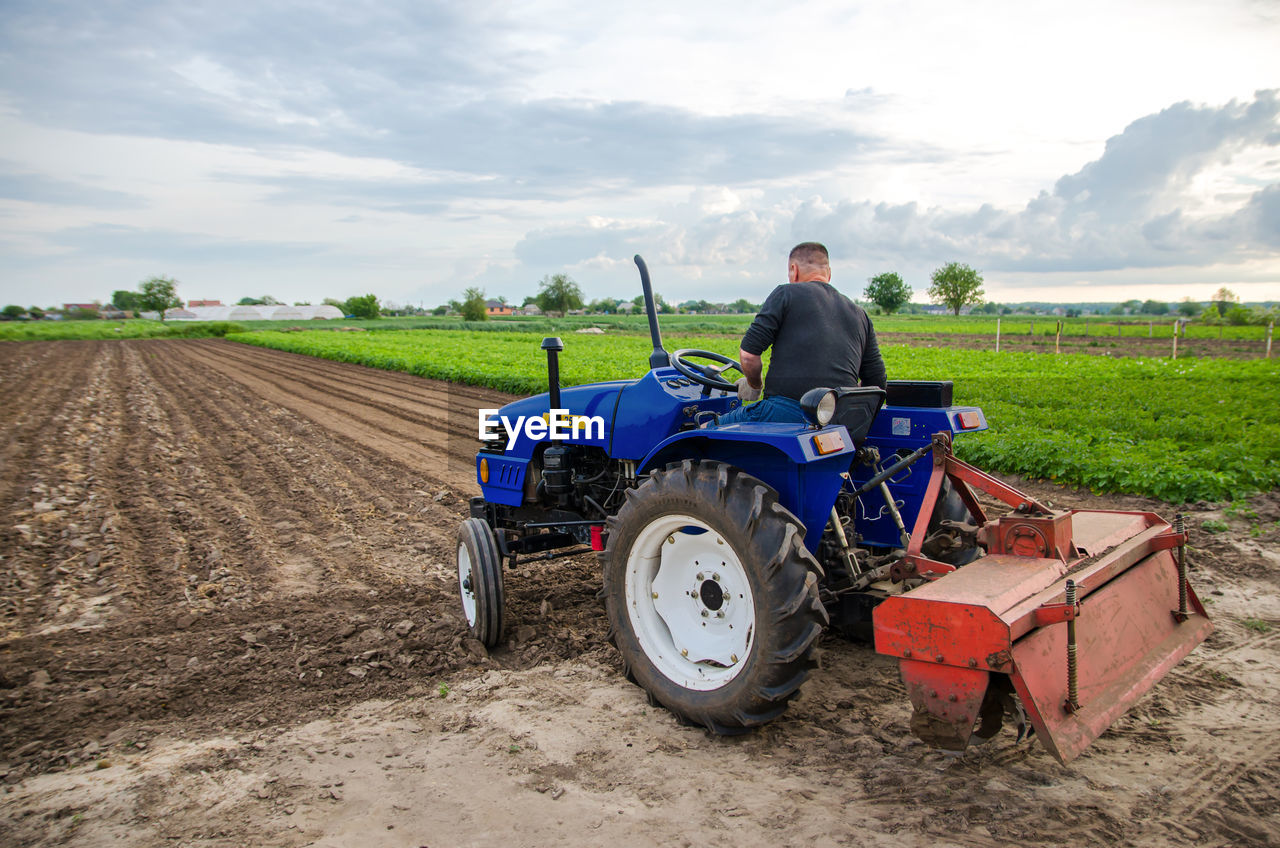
x=787, y=457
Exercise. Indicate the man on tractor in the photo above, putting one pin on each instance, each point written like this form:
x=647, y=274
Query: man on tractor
x=819, y=338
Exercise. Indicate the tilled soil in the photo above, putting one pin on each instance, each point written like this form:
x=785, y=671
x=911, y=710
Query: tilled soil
x=230, y=618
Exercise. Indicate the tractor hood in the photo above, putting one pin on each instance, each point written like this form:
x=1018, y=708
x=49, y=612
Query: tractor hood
x=589, y=402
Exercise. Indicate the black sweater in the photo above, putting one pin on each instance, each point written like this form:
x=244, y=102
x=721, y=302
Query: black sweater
x=819, y=338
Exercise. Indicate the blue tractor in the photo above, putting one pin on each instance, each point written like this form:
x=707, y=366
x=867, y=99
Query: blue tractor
x=728, y=549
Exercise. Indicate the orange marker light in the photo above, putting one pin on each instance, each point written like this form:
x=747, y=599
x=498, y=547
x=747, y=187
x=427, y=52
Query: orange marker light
x=969, y=420
x=484, y=470
x=829, y=442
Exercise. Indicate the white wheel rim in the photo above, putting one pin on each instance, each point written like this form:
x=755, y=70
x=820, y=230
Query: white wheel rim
x=690, y=602
x=466, y=584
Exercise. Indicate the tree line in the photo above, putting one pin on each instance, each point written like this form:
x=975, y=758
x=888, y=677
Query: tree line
x=559, y=294
x=956, y=286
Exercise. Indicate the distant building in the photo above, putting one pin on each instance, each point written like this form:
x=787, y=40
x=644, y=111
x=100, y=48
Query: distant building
x=191, y=303
x=497, y=307
x=87, y=307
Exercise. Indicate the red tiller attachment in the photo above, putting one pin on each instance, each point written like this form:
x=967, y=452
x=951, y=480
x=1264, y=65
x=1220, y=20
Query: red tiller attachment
x=1078, y=612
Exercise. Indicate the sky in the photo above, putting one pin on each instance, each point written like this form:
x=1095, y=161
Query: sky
x=1091, y=151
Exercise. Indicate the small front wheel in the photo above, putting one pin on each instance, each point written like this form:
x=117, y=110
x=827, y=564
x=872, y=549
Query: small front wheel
x=480, y=581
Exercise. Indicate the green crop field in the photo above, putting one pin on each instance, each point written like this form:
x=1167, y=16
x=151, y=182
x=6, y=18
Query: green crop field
x=132, y=329
x=1179, y=431
x=1011, y=327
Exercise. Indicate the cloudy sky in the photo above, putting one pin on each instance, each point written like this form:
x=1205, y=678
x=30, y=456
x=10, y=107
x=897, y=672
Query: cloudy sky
x=1071, y=152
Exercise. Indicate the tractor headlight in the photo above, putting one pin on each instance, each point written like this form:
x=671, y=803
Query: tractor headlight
x=819, y=405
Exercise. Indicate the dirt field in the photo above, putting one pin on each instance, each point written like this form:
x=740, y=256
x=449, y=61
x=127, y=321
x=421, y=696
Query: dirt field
x=229, y=616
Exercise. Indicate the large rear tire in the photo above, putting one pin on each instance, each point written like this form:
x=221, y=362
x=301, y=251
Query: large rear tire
x=480, y=581
x=712, y=596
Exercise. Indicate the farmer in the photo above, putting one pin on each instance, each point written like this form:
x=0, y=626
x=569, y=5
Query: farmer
x=819, y=338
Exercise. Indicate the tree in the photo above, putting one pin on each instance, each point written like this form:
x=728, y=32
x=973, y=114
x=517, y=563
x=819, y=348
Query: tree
x=125, y=301
x=333, y=301
x=1154, y=307
x=158, y=294
x=658, y=303
x=35, y=312
x=955, y=285
x=12, y=312
x=1223, y=299
x=742, y=305
x=888, y=292
x=473, y=306
x=442, y=309
x=362, y=307
x=1189, y=307
x=1238, y=316
x=558, y=293
x=249, y=301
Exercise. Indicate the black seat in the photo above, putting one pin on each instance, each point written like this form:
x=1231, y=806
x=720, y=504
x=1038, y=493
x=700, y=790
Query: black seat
x=856, y=408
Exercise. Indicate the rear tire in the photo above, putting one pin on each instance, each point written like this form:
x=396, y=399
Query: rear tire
x=480, y=581
x=712, y=596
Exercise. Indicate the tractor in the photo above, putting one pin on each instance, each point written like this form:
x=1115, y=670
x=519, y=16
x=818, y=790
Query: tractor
x=727, y=550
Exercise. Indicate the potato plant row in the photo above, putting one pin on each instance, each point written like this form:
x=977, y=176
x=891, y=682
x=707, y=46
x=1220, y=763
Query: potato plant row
x=1180, y=431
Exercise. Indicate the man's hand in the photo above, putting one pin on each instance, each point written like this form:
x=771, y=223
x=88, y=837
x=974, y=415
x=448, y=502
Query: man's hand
x=746, y=394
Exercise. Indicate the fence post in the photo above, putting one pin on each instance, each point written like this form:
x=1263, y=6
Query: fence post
x=1086, y=326
x=1118, y=333
x=1175, y=342
x=1270, y=327
x=1151, y=329
x=998, y=337
x=1032, y=331
x=1057, y=340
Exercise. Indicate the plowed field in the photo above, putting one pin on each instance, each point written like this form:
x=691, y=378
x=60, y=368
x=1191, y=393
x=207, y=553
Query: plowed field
x=228, y=597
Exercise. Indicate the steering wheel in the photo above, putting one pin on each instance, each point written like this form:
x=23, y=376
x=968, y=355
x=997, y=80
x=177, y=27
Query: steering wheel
x=705, y=375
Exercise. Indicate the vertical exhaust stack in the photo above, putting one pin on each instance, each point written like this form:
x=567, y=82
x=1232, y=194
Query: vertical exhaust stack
x=659, y=358
x=552, y=345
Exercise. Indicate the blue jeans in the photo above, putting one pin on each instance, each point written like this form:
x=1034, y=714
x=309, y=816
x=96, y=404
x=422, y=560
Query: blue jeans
x=776, y=408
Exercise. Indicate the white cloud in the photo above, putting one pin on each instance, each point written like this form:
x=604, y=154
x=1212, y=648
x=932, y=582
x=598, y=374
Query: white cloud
x=414, y=149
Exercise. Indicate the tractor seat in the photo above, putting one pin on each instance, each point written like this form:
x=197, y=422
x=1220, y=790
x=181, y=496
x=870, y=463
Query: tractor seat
x=856, y=409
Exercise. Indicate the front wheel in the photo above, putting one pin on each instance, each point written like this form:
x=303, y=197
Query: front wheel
x=712, y=596
x=480, y=581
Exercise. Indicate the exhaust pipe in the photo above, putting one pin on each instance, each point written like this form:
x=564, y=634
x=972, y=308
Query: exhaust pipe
x=659, y=358
x=552, y=345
